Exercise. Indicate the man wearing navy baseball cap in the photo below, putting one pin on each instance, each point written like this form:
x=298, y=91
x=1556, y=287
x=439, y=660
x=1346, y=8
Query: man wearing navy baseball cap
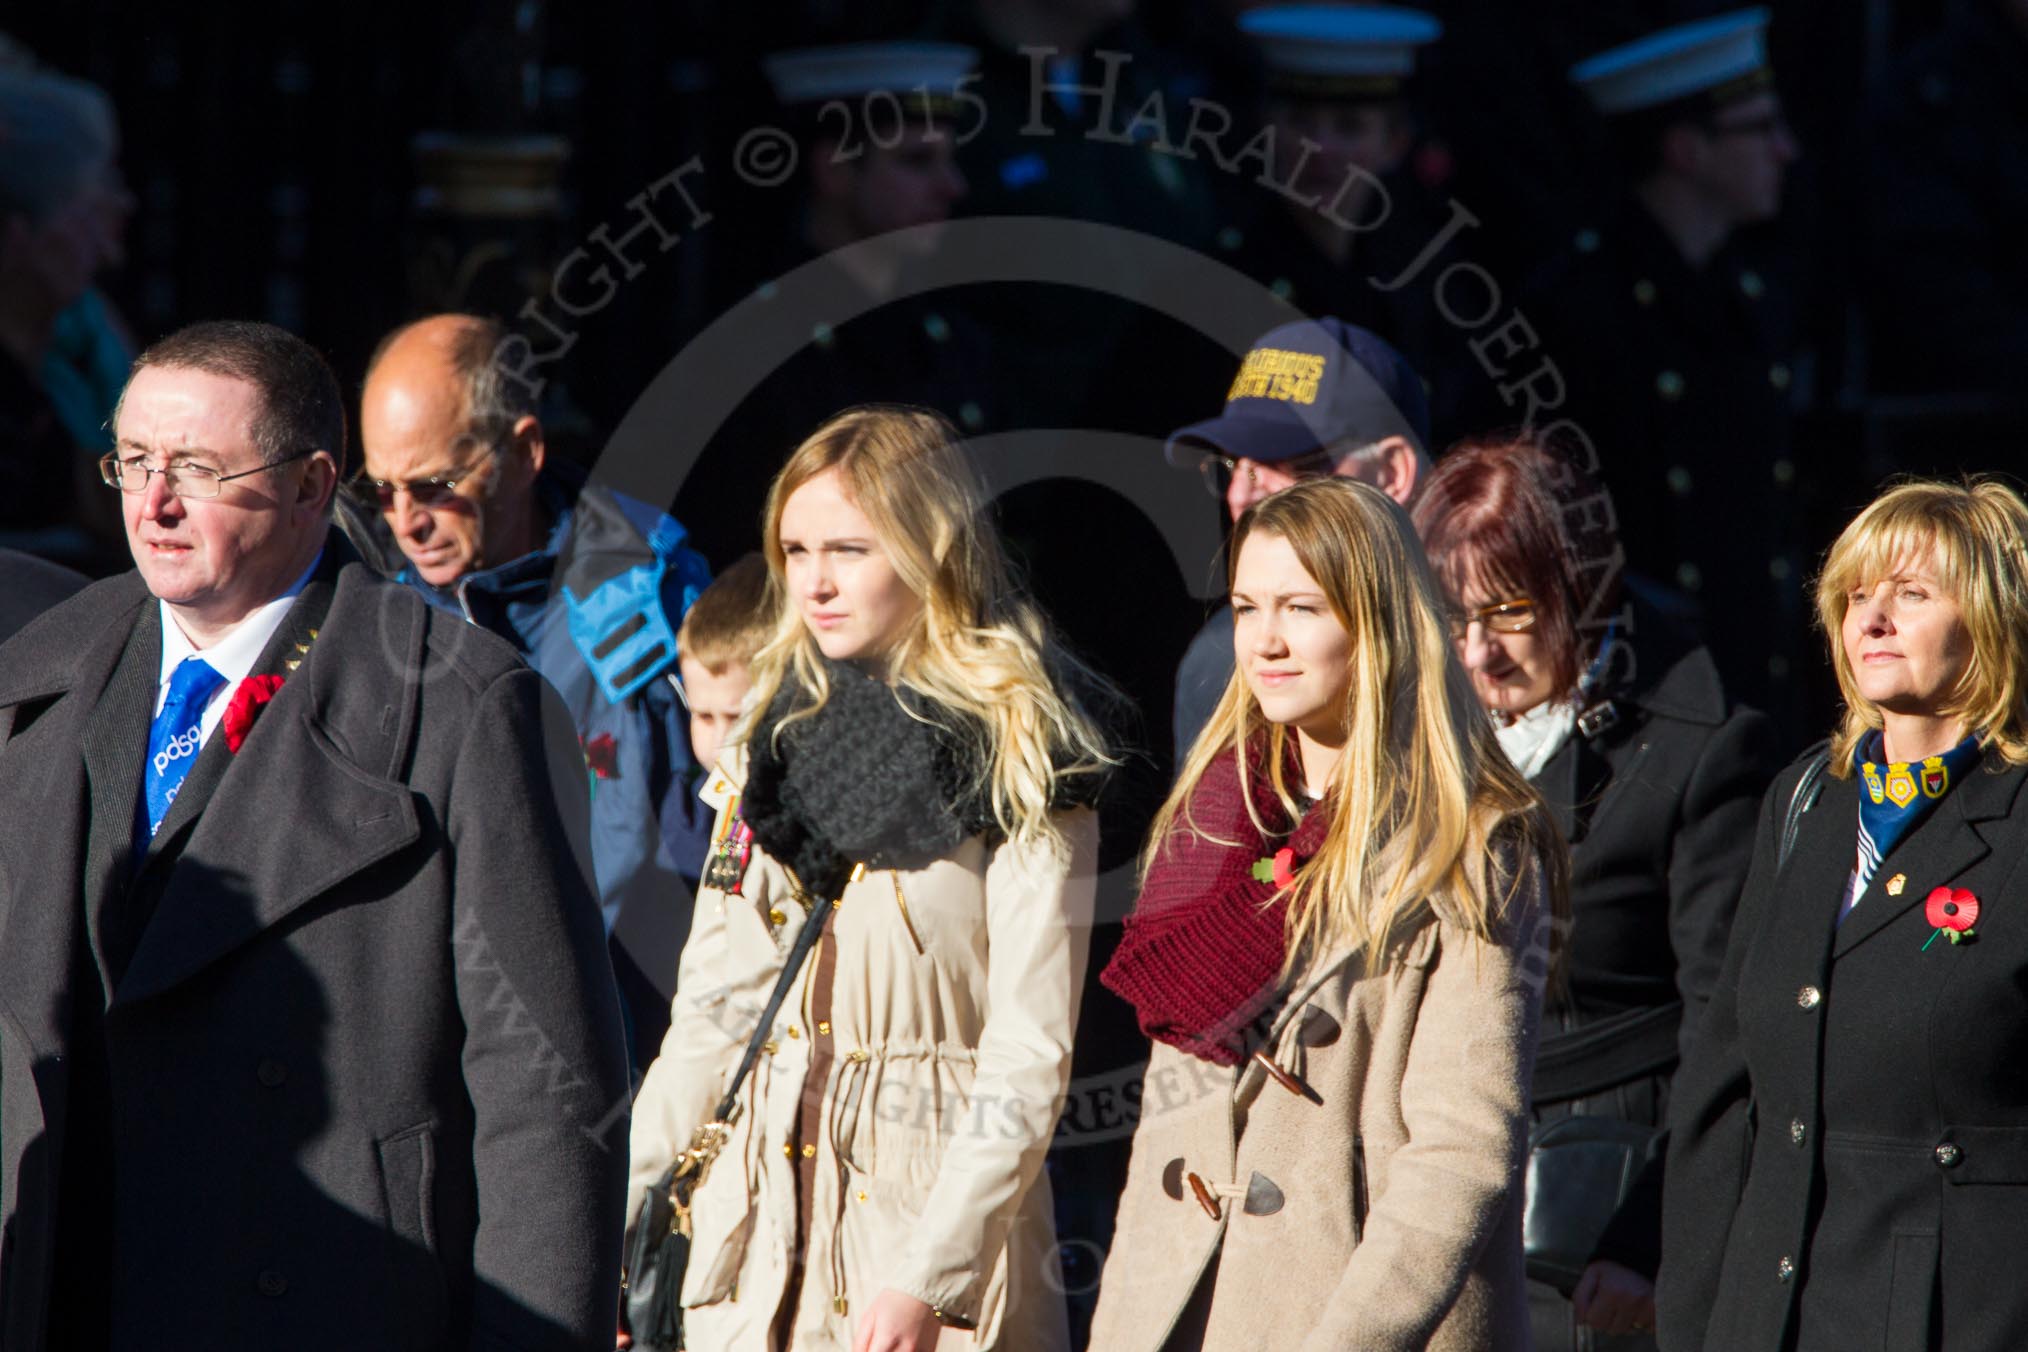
x=1316, y=397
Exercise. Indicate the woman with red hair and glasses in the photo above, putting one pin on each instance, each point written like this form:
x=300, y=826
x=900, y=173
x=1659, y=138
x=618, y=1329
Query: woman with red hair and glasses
x=1618, y=718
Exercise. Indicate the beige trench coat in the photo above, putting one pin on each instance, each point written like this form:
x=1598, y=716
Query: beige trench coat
x=1382, y=1215
x=954, y=1002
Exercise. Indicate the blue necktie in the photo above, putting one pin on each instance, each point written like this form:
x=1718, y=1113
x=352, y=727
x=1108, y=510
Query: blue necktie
x=174, y=740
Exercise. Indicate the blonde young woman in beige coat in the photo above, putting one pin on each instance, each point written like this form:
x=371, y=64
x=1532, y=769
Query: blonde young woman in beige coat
x=882, y=1189
x=1341, y=949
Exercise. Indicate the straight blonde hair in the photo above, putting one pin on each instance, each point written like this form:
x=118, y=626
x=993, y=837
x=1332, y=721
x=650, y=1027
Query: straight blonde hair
x=1975, y=532
x=977, y=647
x=1426, y=811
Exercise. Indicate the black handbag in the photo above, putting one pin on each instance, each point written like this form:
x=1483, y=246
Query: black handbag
x=1580, y=1170
x=658, y=1249
x=1582, y=1167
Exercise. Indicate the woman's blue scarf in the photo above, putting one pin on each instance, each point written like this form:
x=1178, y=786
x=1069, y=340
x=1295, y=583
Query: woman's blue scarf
x=1896, y=797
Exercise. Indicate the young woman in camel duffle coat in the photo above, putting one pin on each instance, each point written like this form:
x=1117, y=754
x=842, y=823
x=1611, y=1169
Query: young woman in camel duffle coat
x=1341, y=949
x=882, y=1189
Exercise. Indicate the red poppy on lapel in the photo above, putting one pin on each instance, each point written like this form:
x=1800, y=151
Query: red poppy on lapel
x=602, y=756
x=1953, y=911
x=248, y=699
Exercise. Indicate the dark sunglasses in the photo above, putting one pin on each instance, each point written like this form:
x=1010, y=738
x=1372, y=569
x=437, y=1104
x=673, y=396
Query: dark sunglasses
x=435, y=491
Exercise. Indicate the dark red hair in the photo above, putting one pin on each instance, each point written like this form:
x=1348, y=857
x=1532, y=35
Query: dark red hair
x=1518, y=518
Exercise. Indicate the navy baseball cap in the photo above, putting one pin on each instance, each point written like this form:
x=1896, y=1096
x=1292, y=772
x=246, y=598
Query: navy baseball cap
x=1308, y=385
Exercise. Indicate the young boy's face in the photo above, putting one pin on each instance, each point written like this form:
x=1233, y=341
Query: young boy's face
x=714, y=706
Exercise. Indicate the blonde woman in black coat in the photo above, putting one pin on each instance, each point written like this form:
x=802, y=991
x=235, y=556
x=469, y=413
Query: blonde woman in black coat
x=1849, y=1157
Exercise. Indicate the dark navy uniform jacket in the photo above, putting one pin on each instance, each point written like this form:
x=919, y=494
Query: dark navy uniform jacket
x=1682, y=378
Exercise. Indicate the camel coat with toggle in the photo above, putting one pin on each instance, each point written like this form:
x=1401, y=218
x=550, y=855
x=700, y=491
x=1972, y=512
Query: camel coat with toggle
x=1379, y=1210
x=953, y=1004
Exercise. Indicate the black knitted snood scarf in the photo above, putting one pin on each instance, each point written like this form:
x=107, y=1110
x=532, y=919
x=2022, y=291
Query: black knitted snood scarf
x=861, y=781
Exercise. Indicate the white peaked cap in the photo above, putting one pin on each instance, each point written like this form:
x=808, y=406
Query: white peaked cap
x=1676, y=63
x=847, y=70
x=1340, y=39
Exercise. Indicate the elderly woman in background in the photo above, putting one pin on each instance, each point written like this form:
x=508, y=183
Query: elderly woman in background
x=1654, y=777
x=64, y=351
x=1848, y=1163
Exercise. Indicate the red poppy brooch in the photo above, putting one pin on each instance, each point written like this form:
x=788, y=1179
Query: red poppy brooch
x=1953, y=911
x=1279, y=870
x=248, y=699
x=601, y=760
x=602, y=756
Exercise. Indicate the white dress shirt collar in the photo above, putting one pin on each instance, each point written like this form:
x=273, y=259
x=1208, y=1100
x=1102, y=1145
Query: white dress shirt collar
x=233, y=656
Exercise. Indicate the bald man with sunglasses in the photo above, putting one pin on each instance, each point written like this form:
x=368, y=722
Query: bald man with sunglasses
x=460, y=500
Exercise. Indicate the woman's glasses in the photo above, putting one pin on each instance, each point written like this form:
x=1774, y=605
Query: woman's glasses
x=1516, y=616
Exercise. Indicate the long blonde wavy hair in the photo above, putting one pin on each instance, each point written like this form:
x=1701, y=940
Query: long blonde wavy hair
x=977, y=646
x=1977, y=534
x=1427, y=814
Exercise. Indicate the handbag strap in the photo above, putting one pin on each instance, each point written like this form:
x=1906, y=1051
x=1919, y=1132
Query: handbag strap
x=806, y=939
x=1606, y=1053
x=1808, y=789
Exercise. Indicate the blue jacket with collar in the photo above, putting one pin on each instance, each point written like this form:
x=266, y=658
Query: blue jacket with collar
x=595, y=610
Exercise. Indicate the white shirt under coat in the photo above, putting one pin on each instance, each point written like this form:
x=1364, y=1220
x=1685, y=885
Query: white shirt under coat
x=232, y=657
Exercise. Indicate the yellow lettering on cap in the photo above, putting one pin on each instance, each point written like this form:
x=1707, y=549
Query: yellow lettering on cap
x=1271, y=373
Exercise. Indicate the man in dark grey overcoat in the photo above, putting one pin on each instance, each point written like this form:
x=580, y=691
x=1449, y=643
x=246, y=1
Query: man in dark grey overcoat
x=307, y=1034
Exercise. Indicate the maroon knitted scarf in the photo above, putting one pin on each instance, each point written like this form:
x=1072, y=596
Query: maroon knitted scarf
x=1201, y=957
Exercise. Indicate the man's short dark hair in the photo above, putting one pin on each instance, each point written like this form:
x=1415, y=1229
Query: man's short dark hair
x=302, y=407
